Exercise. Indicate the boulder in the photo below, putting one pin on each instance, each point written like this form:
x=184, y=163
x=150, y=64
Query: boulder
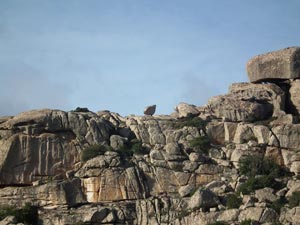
x=9, y=220
x=186, y=190
x=253, y=213
x=290, y=216
x=203, y=198
x=282, y=64
x=216, y=132
x=265, y=194
x=236, y=109
x=262, y=93
x=150, y=110
x=186, y=110
x=117, y=142
x=293, y=186
x=52, y=194
x=286, y=136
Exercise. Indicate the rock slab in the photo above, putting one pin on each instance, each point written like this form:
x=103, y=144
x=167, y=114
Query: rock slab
x=282, y=64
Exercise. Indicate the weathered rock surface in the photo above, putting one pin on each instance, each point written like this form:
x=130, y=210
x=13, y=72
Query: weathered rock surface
x=81, y=167
x=294, y=93
x=282, y=64
x=233, y=109
x=49, y=141
x=186, y=110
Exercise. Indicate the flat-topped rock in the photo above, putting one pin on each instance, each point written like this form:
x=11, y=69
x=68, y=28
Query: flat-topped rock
x=282, y=64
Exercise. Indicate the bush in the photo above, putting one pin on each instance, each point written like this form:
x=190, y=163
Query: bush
x=190, y=122
x=278, y=204
x=246, y=222
x=93, y=151
x=253, y=165
x=79, y=109
x=201, y=144
x=27, y=215
x=218, y=223
x=254, y=183
x=294, y=199
x=133, y=147
x=233, y=201
x=266, y=168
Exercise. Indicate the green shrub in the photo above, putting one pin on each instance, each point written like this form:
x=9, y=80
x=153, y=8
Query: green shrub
x=254, y=165
x=294, y=199
x=201, y=143
x=27, y=215
x=6, y=211
x=190, y=122
x=79, y=109
x=266, y=168
x=254, y=183
x=278, y=204
x=233, y=201
x=133, y=147
x=93, y=151
x=246, y=222
x=218, y=223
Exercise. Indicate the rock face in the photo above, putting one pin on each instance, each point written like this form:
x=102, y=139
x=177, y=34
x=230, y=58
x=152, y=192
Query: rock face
x=49, y=141
x=282, y=64
x=248, y=102
x=81, y=167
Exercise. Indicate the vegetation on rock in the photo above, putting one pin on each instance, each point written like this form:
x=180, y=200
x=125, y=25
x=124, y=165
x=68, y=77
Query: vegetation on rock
x=218, y=223
x=246, y=222
x=233, y=201
x=93, y=151
x=201, y=144
x=190, y=122
x=133, y=147
x=253, y=165
x=27, y=215
x=261, y=173
x=278, y=204
x=80, y=109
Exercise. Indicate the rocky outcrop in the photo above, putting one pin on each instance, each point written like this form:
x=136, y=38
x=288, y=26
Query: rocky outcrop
x=186, y=110
x=81, y=167
x=282, y=64
x=248, y=102
x=47, y=143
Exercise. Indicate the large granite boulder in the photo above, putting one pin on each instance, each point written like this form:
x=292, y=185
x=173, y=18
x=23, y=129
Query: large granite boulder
x=248, y=102
x=186, y=110
x=282, y=64
x=263, y=93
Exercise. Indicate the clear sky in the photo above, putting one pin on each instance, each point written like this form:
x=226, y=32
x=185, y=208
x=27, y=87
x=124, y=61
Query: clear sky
x=122, y=55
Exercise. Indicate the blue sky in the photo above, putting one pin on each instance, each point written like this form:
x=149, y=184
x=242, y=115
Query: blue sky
x=122, y=55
